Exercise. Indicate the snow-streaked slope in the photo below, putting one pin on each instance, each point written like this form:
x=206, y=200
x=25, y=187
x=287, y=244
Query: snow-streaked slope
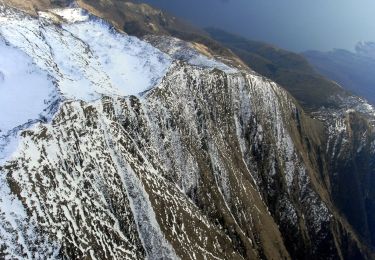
x=19, y=233
x=191, y=170
x=143, y=162
x=43, y=63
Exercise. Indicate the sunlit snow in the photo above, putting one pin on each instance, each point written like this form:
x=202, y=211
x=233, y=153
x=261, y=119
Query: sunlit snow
x=72, y=15
x=87, y=57
x=132, y=65
x=24, y=89
x=84, y=58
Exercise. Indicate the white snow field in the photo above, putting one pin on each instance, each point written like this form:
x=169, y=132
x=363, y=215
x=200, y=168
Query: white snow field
x=24, y=88
x=85, y=55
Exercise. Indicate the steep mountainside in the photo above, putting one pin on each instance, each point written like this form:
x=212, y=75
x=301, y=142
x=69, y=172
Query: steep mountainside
x=348, y=120
x=152, y=147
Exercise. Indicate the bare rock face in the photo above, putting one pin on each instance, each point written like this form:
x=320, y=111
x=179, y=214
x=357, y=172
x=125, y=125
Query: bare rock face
x=211, y=162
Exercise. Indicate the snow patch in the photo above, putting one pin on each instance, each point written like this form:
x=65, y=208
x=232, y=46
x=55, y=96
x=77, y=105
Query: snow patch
x=72, y=15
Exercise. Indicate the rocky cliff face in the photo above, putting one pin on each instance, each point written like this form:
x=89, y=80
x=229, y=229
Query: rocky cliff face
x=211, y=161
x=350, y=160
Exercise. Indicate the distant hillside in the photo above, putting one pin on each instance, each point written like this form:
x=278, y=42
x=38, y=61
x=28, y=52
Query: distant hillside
x=354, y=71
x=366, y=49
x=289, y=69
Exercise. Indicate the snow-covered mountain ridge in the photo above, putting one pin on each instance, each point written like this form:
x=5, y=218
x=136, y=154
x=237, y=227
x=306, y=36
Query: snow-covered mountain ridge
x=75, y=57
x=130, y=149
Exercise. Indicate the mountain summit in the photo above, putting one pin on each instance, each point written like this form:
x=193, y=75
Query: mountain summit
x=165, y=145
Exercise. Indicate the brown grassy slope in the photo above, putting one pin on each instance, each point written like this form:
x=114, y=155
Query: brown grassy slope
x=32, y=6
